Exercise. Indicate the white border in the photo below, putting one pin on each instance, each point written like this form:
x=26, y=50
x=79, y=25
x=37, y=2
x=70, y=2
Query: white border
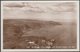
x=77, y=2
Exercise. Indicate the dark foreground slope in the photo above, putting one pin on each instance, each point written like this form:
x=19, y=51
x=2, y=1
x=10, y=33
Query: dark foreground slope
x=21, y=34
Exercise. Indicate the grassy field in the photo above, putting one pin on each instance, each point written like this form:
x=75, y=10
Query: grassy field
x=30, y=34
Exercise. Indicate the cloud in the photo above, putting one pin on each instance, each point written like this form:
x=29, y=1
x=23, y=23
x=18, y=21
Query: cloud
x=34, y=6
x=40, y=10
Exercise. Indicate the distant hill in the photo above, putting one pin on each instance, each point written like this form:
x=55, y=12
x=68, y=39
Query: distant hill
x=28, y=24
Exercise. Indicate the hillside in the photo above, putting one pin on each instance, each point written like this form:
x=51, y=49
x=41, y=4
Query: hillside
x=28, y=34
x=18, y=31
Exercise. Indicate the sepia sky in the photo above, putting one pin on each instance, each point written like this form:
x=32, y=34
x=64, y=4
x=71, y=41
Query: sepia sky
x=50, y=11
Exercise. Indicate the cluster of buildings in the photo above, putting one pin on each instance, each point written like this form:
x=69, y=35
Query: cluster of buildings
x=39, y=43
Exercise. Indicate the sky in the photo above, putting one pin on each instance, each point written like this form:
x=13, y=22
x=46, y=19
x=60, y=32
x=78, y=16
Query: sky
x=50, y=11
